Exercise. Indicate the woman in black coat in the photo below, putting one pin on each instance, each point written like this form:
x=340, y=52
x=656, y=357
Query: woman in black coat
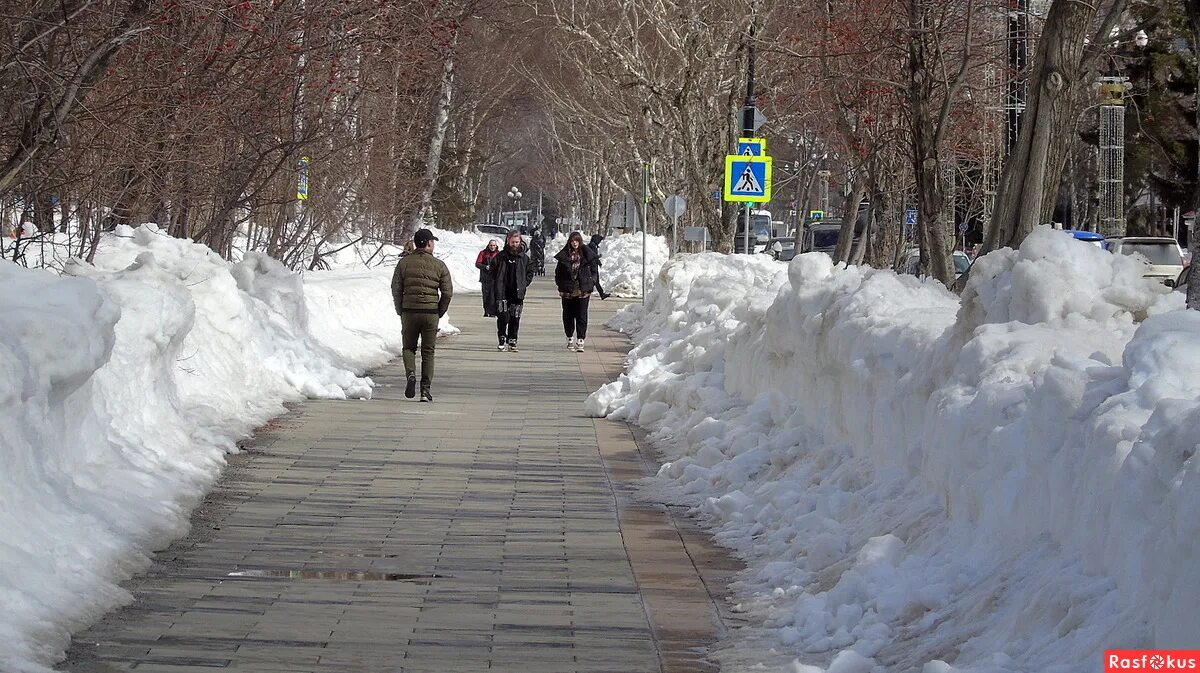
x=512, y=272
x=576, y=274
x=594, y=244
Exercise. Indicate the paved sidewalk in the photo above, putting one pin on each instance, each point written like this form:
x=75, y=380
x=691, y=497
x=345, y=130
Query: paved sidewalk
x=492, y=530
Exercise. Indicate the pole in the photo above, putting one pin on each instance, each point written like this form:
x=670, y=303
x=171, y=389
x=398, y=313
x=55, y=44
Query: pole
x=748, y=110
x=674, y=232
x=645, y=203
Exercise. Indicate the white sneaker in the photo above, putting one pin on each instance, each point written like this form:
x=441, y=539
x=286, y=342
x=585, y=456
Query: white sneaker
x=579, y=346
x=502, y=347
x=571, y=343
x=512, y=346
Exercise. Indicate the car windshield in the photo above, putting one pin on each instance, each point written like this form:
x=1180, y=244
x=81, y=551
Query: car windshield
x=825, y=239
x=761, y=224
x=961, y=263
x=1157, y=253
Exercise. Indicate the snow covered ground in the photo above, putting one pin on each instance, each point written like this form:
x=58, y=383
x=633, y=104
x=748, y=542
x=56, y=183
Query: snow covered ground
x=621, y=263
x=1006, y=483
x=124, y=383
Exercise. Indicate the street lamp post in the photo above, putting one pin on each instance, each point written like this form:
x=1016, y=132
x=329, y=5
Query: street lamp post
x=515, y=195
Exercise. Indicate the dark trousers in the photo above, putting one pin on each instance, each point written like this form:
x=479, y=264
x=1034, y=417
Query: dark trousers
x=422, y=327
x=599, y=288
x=508, y=323
x=489, y=298
x=575, y=316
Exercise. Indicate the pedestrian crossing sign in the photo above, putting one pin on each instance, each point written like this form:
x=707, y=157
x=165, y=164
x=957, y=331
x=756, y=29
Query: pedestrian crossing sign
x=752, y=147
x=747, y=179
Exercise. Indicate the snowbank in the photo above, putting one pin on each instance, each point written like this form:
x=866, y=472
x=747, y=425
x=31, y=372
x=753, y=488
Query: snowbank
x=621, y=263
x=918, y=484
x=122, y=386
x=457, y=249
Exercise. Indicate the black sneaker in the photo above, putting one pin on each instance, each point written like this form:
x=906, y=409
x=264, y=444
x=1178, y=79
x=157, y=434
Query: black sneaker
x=605, y=295
x=426, y=396
x=512, y=346
x=410, y=390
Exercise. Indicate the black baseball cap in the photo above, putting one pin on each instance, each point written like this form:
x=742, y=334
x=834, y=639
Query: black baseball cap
x=423, y=236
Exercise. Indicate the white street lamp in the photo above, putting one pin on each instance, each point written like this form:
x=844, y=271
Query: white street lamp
x=515, y=195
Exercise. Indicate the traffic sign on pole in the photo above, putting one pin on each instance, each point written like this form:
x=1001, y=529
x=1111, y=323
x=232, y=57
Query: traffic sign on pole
x=758, y=117
x=747, y=179
x=752, y=147
x=675, y=205
x=302, y=180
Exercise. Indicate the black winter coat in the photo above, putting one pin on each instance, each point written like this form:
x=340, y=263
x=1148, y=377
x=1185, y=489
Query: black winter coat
x=501, y=269
x=589, y=271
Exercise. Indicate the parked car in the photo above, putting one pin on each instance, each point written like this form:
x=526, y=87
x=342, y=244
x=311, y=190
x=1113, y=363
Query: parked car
x=821, y=237
x=912, y=262
x=491, y=229
x=1162, y=254
x=782, y=249
x=1181, y=283
x=1086, y=236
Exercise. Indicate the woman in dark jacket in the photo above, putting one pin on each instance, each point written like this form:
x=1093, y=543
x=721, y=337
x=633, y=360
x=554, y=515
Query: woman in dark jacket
x=594, y=244
x=575, y=276
x=484, y=262
x=511, y=275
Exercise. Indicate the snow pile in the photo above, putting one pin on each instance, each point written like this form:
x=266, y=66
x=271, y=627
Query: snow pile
x=457, y=249
x=122, y=385
x=1002, y=484
x=621, y=263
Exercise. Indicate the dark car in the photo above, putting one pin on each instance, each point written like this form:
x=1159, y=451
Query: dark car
x=782, y=249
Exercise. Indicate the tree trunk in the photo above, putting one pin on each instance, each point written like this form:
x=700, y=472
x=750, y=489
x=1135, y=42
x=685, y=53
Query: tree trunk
x=1029, y=186
x=437, y=139
x=926, y=153
x=850, y=206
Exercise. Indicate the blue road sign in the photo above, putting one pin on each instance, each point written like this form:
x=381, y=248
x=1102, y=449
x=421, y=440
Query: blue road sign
x=964, y=227
x=752, y=147
x=747, y=179
x=910, y=216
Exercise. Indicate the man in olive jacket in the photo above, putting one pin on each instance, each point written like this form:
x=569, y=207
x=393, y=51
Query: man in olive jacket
x=421, y=291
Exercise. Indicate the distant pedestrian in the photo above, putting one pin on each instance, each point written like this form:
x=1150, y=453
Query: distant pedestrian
x=511, y=277
x=594, y=244
x=575, y=277
x=485, y=262
x=421, y=291
x=409, y=248
x=537, y=251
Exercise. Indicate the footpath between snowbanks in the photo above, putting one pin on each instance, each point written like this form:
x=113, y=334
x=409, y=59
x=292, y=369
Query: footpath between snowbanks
x=1006, y=483
x=122, y=386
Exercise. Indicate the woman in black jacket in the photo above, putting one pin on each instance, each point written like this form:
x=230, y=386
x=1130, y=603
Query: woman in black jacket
x=575, y=277
x=594, y=244
x=512, y=273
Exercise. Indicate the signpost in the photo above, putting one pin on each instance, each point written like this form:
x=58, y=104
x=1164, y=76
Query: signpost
x=752, y=147
x=676, y=206
x=910, y=221
x=697, y=235
x=302, y=180
x=747, y=179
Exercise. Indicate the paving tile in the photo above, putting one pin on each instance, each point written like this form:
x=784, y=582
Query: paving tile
x=494, y=530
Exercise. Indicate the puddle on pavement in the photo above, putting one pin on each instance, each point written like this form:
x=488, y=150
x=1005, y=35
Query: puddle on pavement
x=353, y=554
x=334, y=575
